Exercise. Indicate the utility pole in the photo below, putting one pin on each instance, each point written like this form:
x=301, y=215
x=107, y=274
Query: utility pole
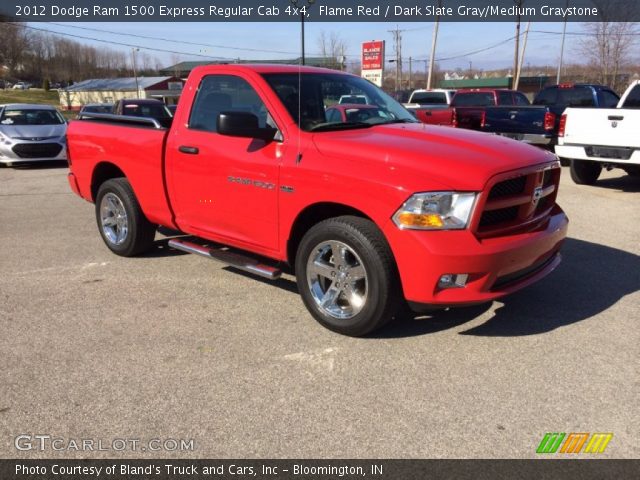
x=410, y=75
x=564, y=34
x=517, y=49
x=524, y=48
x=397, y=41
x=434, y=40
x=135, y=75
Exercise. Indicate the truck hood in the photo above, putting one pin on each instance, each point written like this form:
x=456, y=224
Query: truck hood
x=455, y=158
x=33, y=131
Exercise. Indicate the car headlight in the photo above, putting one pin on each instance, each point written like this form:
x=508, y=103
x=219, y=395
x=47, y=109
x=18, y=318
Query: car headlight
x=436, y=211
x=4, y=139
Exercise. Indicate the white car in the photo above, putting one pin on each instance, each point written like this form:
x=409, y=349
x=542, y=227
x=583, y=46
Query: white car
x=597, y=138
x=31, y=133
x=21, y=86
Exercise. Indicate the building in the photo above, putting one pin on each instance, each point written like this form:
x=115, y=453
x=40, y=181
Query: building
x=109, y=90
x=183, y=69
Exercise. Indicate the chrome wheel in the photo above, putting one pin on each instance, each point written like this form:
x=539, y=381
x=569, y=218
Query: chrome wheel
x=113, y=218
x=337, y=279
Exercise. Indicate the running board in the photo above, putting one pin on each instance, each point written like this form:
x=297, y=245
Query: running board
x=235, y=260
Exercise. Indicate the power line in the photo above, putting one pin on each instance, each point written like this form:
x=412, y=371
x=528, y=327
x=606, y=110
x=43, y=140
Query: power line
x=130, y=45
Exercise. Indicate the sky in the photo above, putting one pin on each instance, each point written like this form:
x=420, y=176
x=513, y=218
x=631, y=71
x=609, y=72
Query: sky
x=263, y=41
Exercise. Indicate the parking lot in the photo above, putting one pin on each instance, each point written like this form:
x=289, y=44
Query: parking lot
x=171, y=345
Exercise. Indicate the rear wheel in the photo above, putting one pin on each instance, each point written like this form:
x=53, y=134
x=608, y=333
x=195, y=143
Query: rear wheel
x=347, y=276
x=123, y=226
x=585, y=172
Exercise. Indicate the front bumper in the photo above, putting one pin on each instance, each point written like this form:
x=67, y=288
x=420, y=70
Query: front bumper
x=578, y=152
x=496, y=266
x=9, y=156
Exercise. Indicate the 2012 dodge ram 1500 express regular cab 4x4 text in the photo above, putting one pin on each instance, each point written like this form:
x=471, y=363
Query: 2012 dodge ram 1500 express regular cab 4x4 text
x=368, y=213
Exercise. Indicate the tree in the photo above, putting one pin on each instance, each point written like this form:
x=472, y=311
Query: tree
x=332, y=50
x=608, y=47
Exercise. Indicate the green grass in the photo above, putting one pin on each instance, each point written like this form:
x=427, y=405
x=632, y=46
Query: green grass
x=34, y=95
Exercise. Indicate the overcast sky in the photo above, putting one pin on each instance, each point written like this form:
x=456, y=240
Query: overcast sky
x=262, y=41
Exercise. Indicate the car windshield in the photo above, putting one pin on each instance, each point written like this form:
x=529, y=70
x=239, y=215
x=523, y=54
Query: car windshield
x=11, y=116
x=98, y=109
x=308, y=96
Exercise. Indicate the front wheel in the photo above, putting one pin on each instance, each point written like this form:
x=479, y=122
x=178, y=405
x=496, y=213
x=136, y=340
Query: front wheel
x=123, y=226
x=347, y=276
x=585, y=172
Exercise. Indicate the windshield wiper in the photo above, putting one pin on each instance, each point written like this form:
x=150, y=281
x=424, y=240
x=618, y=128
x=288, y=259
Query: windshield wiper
x=323, y=127
x=399, y=120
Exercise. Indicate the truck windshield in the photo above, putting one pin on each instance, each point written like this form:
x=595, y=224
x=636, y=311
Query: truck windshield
x=307, y=97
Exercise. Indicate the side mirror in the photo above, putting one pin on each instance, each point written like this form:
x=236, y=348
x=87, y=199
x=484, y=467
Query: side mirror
x=243, y=124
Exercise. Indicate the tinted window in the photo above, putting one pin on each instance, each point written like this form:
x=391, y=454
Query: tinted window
x=608, y=99
x=97, y=109
x=576, y=97
x=633, y=99
x=30, y=117
x=333, y=115
x=429, y=98
x=476, y=99
x=505, y=98
x=547, y=96
x=224, y=93
x=307, y=95
x=152, y=110
x=520, y=99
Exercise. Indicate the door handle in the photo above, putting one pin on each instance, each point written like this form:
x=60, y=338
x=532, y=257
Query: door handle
x=616, y=118
x=188, y=150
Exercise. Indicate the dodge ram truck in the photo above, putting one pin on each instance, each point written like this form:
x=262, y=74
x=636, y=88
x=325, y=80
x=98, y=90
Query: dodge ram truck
x=594, y=139
x=369, y=215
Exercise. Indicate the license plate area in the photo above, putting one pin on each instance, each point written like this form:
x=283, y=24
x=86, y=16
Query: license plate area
x=615, y=153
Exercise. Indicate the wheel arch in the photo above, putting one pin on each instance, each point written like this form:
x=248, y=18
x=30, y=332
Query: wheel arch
x=314, y=214
x=102, y=172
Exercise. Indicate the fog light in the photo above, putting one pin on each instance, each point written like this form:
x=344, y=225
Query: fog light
x=451, y=280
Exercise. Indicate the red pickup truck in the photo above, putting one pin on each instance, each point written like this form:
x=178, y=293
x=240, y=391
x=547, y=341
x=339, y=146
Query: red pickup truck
x=467, y=109
x=367, y=213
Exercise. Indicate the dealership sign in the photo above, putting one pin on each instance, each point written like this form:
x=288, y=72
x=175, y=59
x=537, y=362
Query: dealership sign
x=373, y=61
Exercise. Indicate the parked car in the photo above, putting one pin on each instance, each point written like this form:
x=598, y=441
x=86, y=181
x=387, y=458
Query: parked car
x=144, y=107
x=423, y=103
x=539, y=123
x=95, y=108
x=597, y=138
x=357, y=113
x=30, y=133
x=20, y=86
x=368, y=215
x=353, y=99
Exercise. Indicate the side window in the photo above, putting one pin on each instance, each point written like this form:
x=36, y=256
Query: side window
x=633, y=99
x=333, y=116
x=505, y=98
x=547, y=97
x=224, y=93
x=608, y=99
x=520, y=99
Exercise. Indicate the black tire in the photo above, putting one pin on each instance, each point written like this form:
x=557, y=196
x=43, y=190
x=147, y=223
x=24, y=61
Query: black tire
x=585, y=172
x=633, y=170
x=364, y=246
x=134, y=234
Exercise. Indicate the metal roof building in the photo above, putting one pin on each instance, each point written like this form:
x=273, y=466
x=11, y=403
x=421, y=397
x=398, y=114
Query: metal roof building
x=109, y=90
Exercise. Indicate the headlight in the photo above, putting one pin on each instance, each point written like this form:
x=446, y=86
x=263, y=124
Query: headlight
x=4, y=139
x=436, y=211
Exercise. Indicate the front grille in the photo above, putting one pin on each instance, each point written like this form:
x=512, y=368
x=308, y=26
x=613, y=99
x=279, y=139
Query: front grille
x=496, y=217
x=518, y=202
x=514, y=186
x=37, y=150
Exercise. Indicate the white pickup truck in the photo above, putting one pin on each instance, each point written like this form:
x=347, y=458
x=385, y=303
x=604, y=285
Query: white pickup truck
x=597, y=138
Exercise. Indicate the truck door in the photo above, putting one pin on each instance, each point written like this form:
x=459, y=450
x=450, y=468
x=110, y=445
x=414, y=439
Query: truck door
x=224, y=186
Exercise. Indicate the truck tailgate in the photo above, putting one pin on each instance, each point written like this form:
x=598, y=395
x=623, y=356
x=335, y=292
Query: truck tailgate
x=515, y=120
x=615, y=127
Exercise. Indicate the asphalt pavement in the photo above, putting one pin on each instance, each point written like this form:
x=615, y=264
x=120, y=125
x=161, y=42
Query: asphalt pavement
x=171, y=346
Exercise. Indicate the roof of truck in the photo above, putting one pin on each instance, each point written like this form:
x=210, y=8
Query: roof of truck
x=266, y=68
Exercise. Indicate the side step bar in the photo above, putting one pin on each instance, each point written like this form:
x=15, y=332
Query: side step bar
x=235, y=260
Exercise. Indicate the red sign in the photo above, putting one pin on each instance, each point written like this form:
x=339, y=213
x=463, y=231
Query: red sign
x=373, y=55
